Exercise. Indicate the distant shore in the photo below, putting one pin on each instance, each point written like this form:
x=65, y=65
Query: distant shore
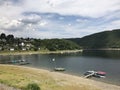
x=19, y=76
x=52, y=52
x=111, y=49
x=38, y=52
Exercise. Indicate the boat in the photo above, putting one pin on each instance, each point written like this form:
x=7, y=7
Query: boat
x=100, y=74
x=59, y=69
x=19, y=62
x=92, y=73
x=23, y=62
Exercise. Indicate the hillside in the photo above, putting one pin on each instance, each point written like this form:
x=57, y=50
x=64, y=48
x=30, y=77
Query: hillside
x=11, y=43
x=106, y=39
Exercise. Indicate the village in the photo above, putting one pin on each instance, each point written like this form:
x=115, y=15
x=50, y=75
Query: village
x=9, y=43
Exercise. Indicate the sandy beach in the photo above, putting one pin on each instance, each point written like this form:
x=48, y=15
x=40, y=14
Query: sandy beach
x=50, y=80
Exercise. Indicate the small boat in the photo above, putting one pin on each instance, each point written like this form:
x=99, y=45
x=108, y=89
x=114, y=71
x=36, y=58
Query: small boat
x=98, y=74
x=23, y=62
x=19, y=62
x=59, y=69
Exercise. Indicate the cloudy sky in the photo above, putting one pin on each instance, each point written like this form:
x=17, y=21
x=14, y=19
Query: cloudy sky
x=58, y=18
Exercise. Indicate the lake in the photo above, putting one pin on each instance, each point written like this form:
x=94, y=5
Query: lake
x=76, y=63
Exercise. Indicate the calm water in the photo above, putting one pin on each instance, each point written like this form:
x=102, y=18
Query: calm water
x=76, y=63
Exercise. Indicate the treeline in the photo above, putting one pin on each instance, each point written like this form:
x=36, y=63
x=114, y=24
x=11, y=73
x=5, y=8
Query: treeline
x=106, y=39
x=56, y=44
x=9, y=42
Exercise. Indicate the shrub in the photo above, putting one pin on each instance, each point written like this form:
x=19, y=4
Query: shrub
x=32, y=86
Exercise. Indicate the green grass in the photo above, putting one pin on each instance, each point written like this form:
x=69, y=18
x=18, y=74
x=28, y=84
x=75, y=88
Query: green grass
x=21, y=77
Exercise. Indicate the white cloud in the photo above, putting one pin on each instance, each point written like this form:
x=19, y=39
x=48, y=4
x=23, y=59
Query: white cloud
x=92, y=16
x=116, y=22
x=90, y=8
x=32, y=18
x=7, y=24
x=43, y=23
x=113, y=25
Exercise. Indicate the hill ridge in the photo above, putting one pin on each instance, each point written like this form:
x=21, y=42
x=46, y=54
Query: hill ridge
x=105, y=39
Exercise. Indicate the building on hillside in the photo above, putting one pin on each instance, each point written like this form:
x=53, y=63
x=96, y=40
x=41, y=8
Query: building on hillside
x=24, y=49
x=12, y=49
x=22, y=44
x=0, y=48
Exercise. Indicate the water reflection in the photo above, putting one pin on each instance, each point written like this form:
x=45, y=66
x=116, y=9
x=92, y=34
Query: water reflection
x=102, y=53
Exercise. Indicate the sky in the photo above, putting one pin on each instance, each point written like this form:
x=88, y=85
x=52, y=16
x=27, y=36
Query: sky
x=58, y=18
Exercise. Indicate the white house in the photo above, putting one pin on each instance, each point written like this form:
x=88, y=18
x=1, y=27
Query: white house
x=0, y=48
x=12, y=49
x=24, y=49
x=22, y=44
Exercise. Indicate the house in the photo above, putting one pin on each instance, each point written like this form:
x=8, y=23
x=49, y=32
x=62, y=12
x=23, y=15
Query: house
x=22, y=44
x=24, y=49
x=0, y=48
x=39, y=48
x=12, y=49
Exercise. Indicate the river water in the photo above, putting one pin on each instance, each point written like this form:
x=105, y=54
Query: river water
x=76, y=63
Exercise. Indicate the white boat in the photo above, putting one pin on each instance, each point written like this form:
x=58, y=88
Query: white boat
x=59, y=69
x=98, y=74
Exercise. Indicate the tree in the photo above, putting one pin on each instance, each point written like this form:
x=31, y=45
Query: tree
x=10, y=39
x=3, y=36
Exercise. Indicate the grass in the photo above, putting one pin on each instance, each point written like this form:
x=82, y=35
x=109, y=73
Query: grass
x=20, y=77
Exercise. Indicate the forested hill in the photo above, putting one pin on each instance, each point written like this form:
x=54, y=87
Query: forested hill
x=11, y=43
x=106, y=39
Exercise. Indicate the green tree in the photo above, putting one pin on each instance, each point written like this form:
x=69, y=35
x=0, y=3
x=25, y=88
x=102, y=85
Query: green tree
x=10, y=39
x=3, y=36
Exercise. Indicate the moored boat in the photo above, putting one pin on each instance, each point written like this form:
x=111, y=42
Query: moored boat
x=59, y=69
x=98, y=74
x=18, y=62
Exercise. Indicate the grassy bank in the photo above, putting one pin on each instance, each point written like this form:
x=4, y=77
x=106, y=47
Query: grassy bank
x=20, y=77
x=37, y=52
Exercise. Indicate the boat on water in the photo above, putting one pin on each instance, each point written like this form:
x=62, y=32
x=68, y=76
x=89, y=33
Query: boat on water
x=59, y=69
x=98, y=74
x=23, y=62
x=19, y=62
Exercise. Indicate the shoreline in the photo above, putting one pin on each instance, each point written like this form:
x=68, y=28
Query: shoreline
x=39, y=52
x=65, y=79
x=105, y=49
x=79, y=75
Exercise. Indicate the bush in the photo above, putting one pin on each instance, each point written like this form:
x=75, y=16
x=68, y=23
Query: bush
x=32, y=86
